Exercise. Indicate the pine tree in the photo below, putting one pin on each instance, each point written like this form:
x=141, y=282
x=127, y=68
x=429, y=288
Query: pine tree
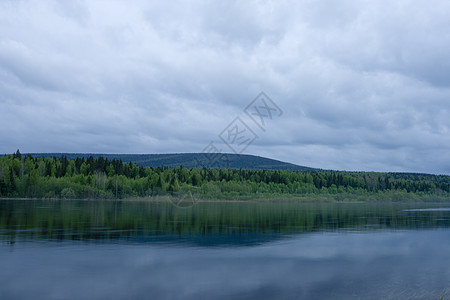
x=17, y=154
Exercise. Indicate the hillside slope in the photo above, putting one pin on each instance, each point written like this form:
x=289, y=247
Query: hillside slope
x=191, y=160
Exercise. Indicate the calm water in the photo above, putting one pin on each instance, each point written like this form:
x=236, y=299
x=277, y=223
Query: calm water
x=140, y=250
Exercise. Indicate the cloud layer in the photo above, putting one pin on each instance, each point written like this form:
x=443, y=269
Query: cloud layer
x=363, y=85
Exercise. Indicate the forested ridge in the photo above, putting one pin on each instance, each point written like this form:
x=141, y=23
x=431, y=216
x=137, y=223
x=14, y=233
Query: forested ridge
x=190, y=160
x=58, y=177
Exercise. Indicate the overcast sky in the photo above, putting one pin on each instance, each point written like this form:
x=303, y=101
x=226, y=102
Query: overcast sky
x=362, y=85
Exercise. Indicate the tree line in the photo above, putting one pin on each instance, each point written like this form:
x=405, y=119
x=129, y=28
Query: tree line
x=58, y=177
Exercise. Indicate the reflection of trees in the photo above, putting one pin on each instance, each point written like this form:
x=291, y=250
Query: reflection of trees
x=121, y=220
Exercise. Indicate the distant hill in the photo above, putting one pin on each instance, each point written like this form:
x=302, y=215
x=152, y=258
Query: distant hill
x=191, y=160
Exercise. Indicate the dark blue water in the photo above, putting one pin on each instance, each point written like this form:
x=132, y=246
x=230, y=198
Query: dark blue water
x=110, y=250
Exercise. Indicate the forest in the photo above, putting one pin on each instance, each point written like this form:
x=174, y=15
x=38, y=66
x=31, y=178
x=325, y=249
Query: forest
x=99, y=178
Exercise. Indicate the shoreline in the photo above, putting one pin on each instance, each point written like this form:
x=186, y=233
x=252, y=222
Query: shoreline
x=271, y=199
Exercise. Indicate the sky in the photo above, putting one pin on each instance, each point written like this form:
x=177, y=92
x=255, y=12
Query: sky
x=348, y=85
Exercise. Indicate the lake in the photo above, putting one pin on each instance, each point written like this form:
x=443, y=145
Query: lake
x=240, y=250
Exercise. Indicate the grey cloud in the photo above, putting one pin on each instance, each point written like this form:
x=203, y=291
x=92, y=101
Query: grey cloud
x=363, y=85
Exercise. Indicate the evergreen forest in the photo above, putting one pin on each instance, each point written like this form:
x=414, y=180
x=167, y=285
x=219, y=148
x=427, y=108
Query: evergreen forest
x=24, y=176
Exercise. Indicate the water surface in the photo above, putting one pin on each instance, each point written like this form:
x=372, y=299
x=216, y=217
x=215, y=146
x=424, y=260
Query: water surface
x=116, y=250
